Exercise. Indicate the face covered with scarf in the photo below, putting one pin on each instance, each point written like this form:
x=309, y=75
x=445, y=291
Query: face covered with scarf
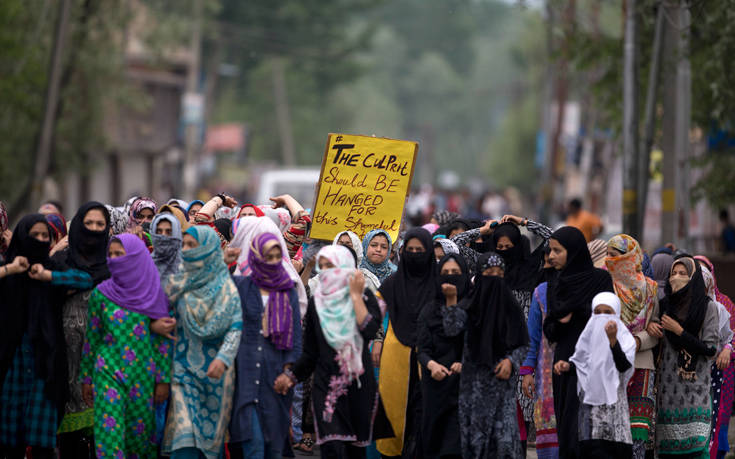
x=336, y=310
x=593, y=360
x=166, y=249
x=134, y=283
x=88, y=245
x=635, y=291
x=268, y=273
x=142, y=210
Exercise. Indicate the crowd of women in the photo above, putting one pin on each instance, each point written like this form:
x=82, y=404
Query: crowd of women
x=211, y=330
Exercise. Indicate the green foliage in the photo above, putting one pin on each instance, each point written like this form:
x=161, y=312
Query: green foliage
x=717, y=184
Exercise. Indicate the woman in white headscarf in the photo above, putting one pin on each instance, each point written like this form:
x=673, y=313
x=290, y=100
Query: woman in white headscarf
x=603, y=359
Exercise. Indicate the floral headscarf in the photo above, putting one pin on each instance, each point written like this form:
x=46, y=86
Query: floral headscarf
x=118, y=220
x=336, y=313
x=137, y=207
x=635, y=290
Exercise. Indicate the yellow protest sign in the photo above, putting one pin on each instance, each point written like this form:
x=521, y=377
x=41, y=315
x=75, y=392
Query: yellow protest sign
x=363, y=185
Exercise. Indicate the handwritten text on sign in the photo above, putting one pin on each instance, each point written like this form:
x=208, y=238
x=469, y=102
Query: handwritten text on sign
x=363, y=185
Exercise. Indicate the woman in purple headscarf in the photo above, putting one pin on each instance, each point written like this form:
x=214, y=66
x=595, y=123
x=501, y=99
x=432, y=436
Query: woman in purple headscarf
x=124, y=365
x=271, y=339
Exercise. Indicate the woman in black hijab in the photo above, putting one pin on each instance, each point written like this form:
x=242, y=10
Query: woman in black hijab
x=32, y=359
x=569, y=299
x=405, y=293
x=496, y=341
x=441, y=359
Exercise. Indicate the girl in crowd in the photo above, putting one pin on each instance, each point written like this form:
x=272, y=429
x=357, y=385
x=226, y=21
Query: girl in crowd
x=271, y=340
x=536, y=372
x=341, y=319
x=376, y=265
x=405, y=293
x=166, y=236
x=350, y=239
x=33, y=368
x=442, y=247
x=688, y=324
x=142, y=211
x=661, y=264
x=193, y=209
x=208, y=329
x=569, y=296
x=176, y=212
x=639, y=304
x=496, y=342
x=123, y=364
x=720, y=444
x=440, y=356
x=603, y=360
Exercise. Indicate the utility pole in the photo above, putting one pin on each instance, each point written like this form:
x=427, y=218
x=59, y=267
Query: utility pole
x=283, y=114
x=43, y=148
x=193, y=104
x=630, y=124
x=683, y=122
x=649, y=123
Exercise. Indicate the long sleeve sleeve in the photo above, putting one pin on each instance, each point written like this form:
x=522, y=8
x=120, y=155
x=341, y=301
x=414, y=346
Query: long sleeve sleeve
x=162, y=356
x=621, y=361
x=553, y=329
x=647, y=341
x=92, y=339
x=370, y=326
x=295, y=233
x=539, y=229
x=304, y=366
x=708, y=339
x=535, y=320
x=516, y=357
x=228, y=350
x=295, y=352
x=206, y=213
x=462, y=240
x=424, y=342
x=72, y=278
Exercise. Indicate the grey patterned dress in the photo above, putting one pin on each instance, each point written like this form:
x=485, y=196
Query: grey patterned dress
x=488, y=424
x=606, y=422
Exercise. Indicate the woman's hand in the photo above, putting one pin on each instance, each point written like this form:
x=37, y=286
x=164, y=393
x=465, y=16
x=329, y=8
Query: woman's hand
x=19, y=265
x=723, y=360
x=611, y=330
x=566, y=319
x=654, y=329
x=513, y=219
x=88, y=394
x=528, y=385
x=503, y=369
x=450, y=292
x=456, y=368
x=231, y=255
x=298, y=265
x=282, y=384
x=161, y=393
x=39, y=273
x=671, y=325
x=164, y=327
x=488, y=227
x=375, y=353
x=438, y=371
x=216, y=369
x=61, y=245
x=562, y=366
x=357, y=283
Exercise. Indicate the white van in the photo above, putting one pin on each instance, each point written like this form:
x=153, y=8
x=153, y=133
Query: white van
x=299, y=183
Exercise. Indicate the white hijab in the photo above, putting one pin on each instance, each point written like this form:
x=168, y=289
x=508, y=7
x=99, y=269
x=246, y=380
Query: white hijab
x=247, y=228
x=356, y=243
x=596, y=372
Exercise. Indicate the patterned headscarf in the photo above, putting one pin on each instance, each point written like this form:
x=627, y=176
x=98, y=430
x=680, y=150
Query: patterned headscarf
x=58, y=226
x=273, y=278
x=280, y=216
x=205, y=288
x=444, y=217
x=636, y=291
x=447, y=246
x=166, y=249
x=384, y=269
x=490, y=260
x=598, y=252
x=336, y=313
x=3, y=226
x=356, y=243
x=118, y=220
x=137, y=207
x=719, y=296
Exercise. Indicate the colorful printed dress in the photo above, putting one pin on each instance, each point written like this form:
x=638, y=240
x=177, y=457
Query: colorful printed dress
x=540, y=361
x=124, y=361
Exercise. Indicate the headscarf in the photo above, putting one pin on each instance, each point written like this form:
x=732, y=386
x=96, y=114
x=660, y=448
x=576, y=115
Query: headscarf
x=137, y=207
x=204, y=286
x=573, y=289
x=598, y=252
x=411, y=287
x=688, y=306
x=245, y=230
x=646, y=266
x=447, y=246
x=383, y=270
x=87, y=249
x=129, y=203
x=633, y=288
x=597, y=374
x=191, y=204
x=256, y=209
x=166, y=249
x=356, y=244
x=58, y=226
x=275, y=279
x=118, y=220
x=178, y=203
x=719, y=296
x=134, y=283
x=3, y=226
x=496, y=325
x=336, y=310
x=280, y=216
x=523, y=269
x=444, y=217
x=461, y=281
x=661, y=264
x=431, y=227
x=176, y=212
x=34, y=307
